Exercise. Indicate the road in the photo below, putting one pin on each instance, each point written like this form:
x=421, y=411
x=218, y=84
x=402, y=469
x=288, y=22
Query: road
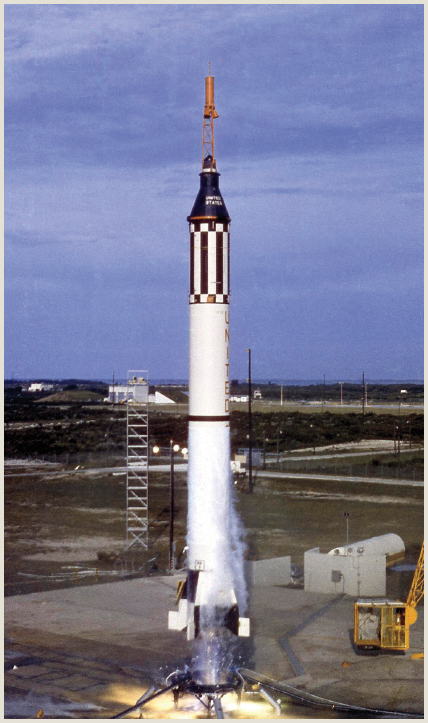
x=342, y=455
x=96, y=470
x=272, y=474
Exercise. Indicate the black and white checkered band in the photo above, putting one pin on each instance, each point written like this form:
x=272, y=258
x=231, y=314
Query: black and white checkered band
x=208, y=299
x=209, y=262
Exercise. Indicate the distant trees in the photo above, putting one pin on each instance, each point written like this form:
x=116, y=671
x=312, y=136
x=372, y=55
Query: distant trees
x=291, y=430
x=43, y=428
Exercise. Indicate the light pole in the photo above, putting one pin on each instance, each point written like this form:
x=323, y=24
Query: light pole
x=403, y=391
x=172, y=448
x=265, y=439
x=279, y=434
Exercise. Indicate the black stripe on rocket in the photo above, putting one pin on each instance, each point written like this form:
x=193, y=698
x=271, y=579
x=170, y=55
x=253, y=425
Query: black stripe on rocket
x=219, y=262
x=192, y=264
x=209, y=263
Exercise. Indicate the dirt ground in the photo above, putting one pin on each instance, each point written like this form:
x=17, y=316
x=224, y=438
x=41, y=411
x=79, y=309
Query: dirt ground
x=55, y=525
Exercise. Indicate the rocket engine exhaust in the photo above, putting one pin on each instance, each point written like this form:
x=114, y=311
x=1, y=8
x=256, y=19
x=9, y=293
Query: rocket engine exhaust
x=214, y=590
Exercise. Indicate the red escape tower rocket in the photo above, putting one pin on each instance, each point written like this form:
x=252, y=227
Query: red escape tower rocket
x=214, y=564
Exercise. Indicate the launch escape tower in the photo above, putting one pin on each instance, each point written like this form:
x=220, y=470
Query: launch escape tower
x=137, y=460
x=210, y=113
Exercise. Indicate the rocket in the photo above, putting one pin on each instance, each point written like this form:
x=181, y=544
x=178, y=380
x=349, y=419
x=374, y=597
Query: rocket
x=207, y=600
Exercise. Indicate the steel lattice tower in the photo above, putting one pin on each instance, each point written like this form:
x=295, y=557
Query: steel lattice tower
x=137, y=460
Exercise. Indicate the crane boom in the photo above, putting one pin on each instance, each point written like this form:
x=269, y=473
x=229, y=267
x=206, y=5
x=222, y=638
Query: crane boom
x=417, y=588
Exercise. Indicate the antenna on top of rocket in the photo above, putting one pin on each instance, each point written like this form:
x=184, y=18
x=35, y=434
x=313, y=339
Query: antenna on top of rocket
x=210, y=113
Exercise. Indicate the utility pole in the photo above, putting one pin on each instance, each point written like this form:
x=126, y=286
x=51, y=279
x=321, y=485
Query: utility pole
x=250, y=429
x=346, y=516
x=341, y=393
x=171, y=508
x=398, y=443
x=362, y=401
x=323, y=394
x=281, y=395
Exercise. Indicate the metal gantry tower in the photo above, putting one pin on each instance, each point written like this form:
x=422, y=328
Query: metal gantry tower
x=137, y=460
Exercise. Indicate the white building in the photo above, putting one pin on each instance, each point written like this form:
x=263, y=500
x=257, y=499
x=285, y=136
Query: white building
x=121, y=393
x=36, y=387
x=358, y=569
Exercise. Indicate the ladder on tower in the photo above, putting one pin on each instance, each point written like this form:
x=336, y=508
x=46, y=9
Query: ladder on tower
x=137, y=461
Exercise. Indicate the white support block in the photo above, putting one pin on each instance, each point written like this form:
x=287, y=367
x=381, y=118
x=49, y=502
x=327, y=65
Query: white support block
x=177, y=619
x=244, y=628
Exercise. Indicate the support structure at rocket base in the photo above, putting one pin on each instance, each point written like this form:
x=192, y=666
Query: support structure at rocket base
x=207, y=600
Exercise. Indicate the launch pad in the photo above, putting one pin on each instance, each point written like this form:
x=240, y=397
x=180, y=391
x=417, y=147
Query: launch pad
x=241, y=681
x=210, y=695
x=104, y=645
x=185, y=682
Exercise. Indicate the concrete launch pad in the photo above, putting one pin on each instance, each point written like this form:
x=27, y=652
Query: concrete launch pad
x=102, y=645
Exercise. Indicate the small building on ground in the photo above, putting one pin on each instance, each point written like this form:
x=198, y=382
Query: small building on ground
x=121, y=393
x=40, y=387
x=358, y=569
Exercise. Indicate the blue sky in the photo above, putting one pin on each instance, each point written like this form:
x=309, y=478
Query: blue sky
x=319, y=146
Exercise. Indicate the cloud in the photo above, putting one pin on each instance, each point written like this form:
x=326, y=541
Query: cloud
x=120, y=84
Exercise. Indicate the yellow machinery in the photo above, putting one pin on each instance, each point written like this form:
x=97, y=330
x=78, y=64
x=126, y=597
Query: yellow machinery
x=384, y=624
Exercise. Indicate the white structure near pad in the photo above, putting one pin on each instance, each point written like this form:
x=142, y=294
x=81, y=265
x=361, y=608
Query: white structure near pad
x=391, y=546
x=358, y=569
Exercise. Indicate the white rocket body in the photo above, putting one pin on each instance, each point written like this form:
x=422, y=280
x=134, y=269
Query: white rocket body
x=208, y=597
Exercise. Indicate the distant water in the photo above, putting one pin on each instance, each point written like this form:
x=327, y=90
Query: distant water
x=300, y=382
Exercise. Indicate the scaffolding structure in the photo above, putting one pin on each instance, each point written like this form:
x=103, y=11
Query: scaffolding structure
x=137, y=460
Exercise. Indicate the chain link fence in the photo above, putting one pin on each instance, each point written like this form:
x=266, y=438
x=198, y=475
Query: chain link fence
x=394, y=470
